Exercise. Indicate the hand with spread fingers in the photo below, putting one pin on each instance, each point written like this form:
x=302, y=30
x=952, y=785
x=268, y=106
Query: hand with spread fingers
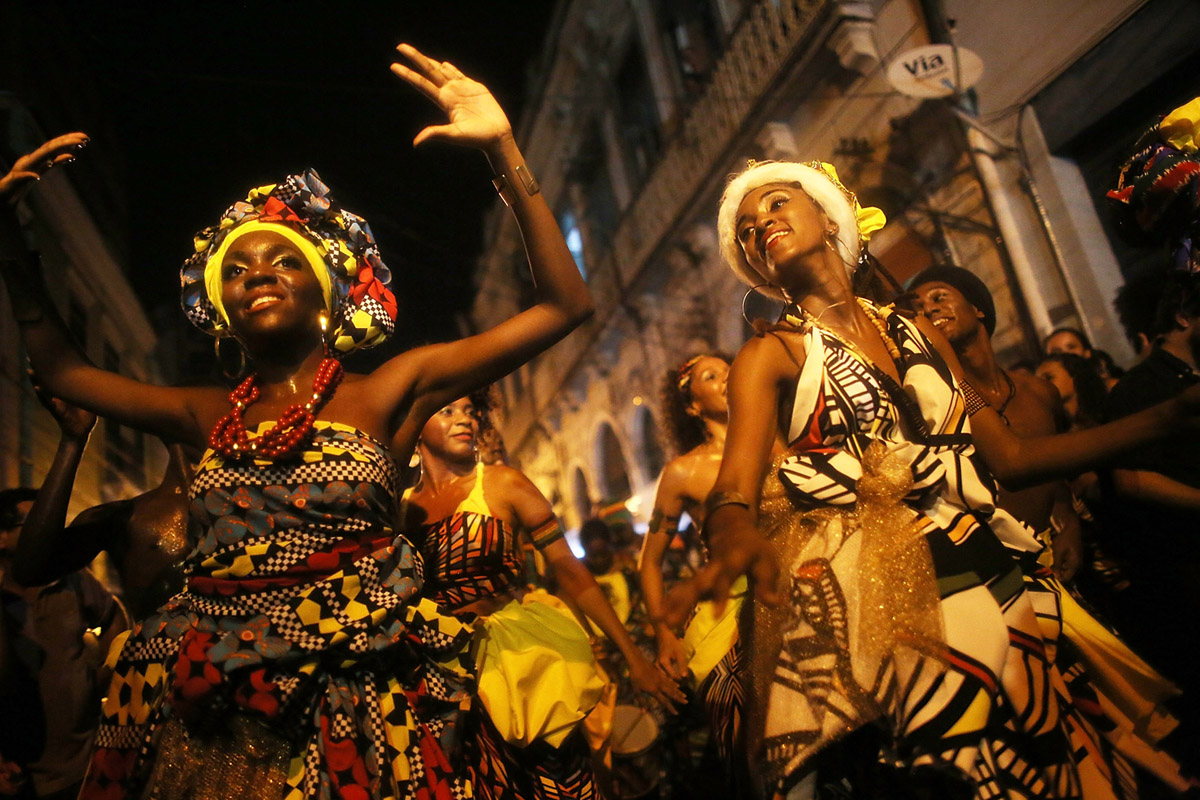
x=31, y=167
x=476, y=119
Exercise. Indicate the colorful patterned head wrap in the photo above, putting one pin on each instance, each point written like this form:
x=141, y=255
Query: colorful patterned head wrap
x=1159, y=186
x=337, y=244
x=819, y=181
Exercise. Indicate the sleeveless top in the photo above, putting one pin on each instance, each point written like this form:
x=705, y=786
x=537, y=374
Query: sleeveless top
x=470, y=555
x=302, y=609
x=842, y=401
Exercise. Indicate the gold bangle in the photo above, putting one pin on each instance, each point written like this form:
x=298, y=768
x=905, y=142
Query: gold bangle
x=717, y=499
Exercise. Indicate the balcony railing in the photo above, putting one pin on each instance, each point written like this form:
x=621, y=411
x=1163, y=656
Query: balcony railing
x=764, y=46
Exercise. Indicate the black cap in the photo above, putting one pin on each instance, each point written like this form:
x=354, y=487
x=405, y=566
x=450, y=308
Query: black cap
x=966, y=282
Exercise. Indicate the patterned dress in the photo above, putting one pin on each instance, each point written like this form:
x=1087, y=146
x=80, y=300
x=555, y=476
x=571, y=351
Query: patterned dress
x=907, y=612
x=473, y=555
x=299, y=661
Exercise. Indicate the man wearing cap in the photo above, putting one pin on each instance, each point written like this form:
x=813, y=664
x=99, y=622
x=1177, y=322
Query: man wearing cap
x=961, y=307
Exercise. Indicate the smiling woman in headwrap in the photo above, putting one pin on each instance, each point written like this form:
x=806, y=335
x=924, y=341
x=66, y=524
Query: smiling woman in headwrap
x=884, y=596
x=300, y=660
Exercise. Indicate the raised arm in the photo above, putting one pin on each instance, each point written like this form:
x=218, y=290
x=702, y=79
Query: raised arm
x=42, y=554
x=1022, y=462
x=534, y=514
x=439, y=374
x=61, y=368
x=668, y=506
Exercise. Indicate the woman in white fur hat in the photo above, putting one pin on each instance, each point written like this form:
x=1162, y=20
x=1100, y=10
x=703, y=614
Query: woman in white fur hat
x=889, y=601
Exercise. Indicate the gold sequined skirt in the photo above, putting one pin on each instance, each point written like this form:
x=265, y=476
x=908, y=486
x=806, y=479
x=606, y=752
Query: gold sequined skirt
x=246, y=761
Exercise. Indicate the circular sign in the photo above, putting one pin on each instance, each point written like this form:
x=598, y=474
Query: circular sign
x=928, y=71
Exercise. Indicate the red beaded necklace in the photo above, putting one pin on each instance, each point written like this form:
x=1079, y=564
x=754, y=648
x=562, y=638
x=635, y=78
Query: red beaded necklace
x=229, y=437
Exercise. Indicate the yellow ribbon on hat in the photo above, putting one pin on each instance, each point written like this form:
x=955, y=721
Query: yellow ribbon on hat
x=869, y=218
x=1181, y=128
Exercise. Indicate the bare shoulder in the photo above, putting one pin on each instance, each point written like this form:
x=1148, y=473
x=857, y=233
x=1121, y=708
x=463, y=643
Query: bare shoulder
x=1038, y=388
x=678, y=468
x=769, y=356
x=507, y=479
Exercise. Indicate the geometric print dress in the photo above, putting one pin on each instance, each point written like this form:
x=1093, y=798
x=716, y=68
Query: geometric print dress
x=300, y=661
x=907, y=612
x=473, y=555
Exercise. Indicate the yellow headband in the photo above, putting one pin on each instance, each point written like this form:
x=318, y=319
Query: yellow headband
x=212, y=270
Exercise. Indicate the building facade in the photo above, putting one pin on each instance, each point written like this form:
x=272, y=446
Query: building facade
x=642, y=108
x=95, y=301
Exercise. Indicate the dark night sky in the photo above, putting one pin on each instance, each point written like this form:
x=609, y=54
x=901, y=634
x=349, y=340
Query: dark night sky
x=201, y=101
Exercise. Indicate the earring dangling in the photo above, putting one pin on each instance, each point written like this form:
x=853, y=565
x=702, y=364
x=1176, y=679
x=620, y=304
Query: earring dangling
x=323, y=321
x=831, y=240
x=754, y=289
x=221, y=361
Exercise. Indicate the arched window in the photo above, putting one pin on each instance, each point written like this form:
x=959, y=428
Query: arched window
x=581, y=495
x=614, y=476
x=645, y=435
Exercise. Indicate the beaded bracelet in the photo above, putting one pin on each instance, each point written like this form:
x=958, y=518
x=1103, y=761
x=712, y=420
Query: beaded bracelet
x=973, y=401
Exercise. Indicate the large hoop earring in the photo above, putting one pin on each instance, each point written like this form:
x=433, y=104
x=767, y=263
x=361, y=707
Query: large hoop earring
x=746, y=297
x=221, y=361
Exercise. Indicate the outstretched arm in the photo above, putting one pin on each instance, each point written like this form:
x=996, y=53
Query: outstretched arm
x=430, y=377
x=668, y=505
x=61, y=368
x=1022, y=462
x=533, y=512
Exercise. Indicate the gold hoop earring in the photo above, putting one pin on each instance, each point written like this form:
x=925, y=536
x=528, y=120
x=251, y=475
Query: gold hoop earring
x=323, y=321
x=221, y=361
x=831, y=241
x=787, y=300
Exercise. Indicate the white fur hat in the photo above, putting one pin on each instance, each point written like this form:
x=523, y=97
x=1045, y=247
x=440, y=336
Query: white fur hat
x=820, y=182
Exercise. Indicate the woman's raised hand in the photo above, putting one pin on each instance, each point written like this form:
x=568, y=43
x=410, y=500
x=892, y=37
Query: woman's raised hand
x=31, y=167
x=476, y=119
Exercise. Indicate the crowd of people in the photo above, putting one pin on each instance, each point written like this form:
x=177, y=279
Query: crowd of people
x=881, y=564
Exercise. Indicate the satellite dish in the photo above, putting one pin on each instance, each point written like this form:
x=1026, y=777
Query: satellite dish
x=928, y=71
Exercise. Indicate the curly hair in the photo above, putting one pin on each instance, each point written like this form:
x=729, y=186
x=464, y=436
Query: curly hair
x=1089, y=387
x=686, y=430
x=484, y=400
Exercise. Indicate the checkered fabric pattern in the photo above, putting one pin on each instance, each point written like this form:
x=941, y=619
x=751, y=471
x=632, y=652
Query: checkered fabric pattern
x=301, y=609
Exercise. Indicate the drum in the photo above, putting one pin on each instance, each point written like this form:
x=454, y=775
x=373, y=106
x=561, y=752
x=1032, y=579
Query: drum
x=634, y=761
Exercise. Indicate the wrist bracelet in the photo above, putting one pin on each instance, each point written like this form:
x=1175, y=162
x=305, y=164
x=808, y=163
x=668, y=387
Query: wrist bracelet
x=717, y=499
x=528, y=183
x=971, y=398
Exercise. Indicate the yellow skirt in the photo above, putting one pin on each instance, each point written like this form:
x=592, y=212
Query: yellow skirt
x=709, y=637
x=537, y=674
